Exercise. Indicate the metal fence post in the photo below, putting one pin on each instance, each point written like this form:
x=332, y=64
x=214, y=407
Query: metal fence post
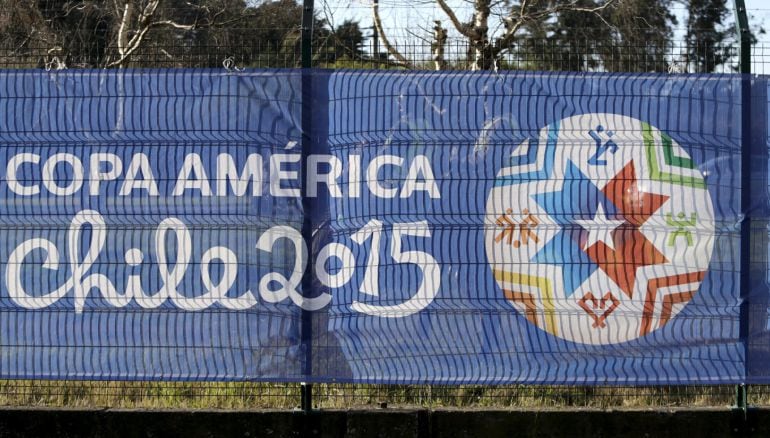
x=306, y=395
x=307, y=33
x=744, y=36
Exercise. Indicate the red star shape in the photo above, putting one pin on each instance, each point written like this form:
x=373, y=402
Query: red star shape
x=632, y=249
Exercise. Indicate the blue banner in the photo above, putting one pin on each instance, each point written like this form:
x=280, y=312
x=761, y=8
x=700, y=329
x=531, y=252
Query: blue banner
x=395, y=227
x=133, y=206
x=756, y=263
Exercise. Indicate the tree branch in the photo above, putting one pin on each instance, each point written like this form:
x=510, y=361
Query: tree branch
x=126, y=47
x=173, y=24
x=148, y=11
x=514, y=23
x=134, y=44
x=122, y=29
x=461, y=27
x=389, y=47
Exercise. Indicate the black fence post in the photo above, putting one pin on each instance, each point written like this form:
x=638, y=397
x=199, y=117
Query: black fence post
x=744, y=36
x=306, y=395
x=307, y=33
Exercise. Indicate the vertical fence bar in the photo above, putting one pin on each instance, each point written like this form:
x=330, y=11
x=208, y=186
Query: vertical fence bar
x=307, y=33
x=306, y=396
x=744, y=35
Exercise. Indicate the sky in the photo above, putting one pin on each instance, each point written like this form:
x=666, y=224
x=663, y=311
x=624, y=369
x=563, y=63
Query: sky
x=759, y=16
x=760, y=9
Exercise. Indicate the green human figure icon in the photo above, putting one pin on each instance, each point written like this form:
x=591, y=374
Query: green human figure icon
x=681, y=225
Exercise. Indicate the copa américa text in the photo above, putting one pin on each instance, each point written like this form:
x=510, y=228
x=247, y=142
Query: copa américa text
x=277, y=175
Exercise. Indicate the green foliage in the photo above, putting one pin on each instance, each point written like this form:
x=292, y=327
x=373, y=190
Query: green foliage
x=569, y=41
x=348, y=41
x=643, y=33
x=632, y=35
x=706, y=34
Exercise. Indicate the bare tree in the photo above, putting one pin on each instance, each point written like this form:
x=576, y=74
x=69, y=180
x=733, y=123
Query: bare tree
x=136, y=18
x=485, y=48
x=114, y=33
x=392, y=50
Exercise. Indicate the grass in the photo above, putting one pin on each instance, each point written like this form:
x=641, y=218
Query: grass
x=255, y=395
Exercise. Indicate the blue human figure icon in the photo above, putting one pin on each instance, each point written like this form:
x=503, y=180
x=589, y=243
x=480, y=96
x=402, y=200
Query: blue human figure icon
x=602, y=146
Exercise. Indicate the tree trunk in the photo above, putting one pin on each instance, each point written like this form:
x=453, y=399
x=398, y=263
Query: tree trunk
x=479, y=50
x=438, y=46
x=125, y=27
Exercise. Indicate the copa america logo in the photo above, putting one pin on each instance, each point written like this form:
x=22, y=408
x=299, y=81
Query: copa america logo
x=601, y=230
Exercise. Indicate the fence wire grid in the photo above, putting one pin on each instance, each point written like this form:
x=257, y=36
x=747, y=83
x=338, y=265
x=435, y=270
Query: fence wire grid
x=87, y=35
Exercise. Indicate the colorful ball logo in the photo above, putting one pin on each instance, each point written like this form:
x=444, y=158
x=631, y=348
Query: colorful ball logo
x=600, y=230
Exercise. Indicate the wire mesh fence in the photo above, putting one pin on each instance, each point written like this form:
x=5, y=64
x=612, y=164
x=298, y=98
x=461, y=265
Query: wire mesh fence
x=200, y=38
x=527, y=54
x=210, y=34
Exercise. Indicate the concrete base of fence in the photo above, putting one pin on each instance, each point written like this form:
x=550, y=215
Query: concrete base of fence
x=385, y=423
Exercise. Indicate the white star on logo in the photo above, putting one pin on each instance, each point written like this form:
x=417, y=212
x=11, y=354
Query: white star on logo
x=599, y=228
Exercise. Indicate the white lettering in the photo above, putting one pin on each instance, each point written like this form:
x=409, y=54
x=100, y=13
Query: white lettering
x=139, y=165
x=314, y=177
x=420, y=167
x=232, y=177
x=354, y=176
x=13, y=183
x=227, y=172
x=373, y=170
x=192, y=166
x=95, y=174
x=50, y=182
x=277, y=175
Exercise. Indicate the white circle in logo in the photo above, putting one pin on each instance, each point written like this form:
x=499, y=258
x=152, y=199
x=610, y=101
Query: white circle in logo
x=600, y=230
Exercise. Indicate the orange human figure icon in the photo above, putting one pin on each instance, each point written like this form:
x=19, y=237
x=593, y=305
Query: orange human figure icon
x=525, y=228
